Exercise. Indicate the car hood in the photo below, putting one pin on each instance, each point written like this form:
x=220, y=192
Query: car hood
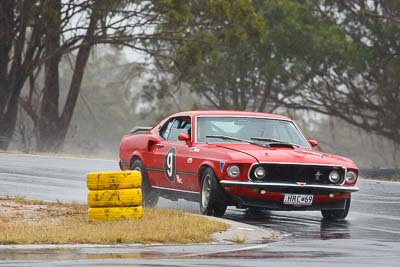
x=285, y=154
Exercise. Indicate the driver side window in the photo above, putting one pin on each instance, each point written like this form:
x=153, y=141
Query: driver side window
x=174, y=127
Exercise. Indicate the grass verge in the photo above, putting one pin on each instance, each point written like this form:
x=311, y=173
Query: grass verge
x=36, y=222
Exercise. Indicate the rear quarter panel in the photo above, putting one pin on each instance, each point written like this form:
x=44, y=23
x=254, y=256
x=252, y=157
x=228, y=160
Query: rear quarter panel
x=135, y=145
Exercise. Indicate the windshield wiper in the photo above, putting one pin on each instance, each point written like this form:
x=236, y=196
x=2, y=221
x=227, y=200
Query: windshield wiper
x=273, y=141
x=267, y=139
x=234, y=139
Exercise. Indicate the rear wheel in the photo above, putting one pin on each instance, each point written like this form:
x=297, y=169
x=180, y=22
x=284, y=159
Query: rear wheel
x=337, y=215
x=150, y=194
x=213, y=200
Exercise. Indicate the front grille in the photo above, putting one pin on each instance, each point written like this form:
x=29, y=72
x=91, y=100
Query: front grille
x=294, y=173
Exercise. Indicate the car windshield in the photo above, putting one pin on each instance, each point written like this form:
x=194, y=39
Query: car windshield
x=261, y=130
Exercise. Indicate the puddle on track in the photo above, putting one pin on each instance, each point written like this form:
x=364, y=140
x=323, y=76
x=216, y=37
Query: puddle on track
x=153, y=253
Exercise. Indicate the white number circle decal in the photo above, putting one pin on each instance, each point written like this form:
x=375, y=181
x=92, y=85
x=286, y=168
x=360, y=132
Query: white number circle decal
x=170, y=164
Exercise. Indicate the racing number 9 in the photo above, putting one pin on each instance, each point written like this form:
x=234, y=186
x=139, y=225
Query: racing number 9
x=170, y=164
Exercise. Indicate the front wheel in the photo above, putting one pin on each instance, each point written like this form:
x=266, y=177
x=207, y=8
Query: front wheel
x=337, y=215
x=150, y=194
x=213, y=200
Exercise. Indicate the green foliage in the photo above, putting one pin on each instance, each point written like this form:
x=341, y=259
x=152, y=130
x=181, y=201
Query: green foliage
x=359, y=82
x=217, y=35
x=248, y=54
x=314, y=55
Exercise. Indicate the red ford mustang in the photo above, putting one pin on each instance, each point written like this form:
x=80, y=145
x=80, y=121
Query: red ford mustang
x=245, y=159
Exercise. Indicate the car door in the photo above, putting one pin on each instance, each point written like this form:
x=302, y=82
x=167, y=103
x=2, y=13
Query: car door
x=171, y=157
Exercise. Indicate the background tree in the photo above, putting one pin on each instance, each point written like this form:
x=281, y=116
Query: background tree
x=216, y=58
x=360, y=84
x=250, y=54
x=48, y=29
x=338, y=58
x=333, y=57
x=107, y=107
x=21, y=30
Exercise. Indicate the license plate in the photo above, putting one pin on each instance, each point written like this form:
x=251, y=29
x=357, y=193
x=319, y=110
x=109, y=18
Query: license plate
x=294, y=199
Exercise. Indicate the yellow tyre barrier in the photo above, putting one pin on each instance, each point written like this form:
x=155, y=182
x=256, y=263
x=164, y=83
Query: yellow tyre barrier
x=115, y=213
x=113, y=180
x=115, y=198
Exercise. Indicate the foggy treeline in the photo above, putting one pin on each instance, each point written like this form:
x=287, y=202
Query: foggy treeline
x=76, y=75
x=110, y=105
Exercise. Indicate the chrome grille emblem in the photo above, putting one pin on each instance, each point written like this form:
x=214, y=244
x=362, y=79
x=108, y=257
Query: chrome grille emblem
x=317, y=175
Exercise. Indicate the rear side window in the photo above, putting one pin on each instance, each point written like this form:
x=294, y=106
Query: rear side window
x=164, y=132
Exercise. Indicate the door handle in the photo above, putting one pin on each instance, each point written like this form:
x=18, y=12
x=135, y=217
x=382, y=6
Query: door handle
x=159, y=145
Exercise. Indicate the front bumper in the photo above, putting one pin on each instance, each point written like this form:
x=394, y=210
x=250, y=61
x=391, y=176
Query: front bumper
x=244, y=202
x=300, y=187
x=270, y=195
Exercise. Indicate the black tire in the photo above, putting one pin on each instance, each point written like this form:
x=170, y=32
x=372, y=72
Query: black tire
x=337, y=215
x=150, y=194
x=213, y=201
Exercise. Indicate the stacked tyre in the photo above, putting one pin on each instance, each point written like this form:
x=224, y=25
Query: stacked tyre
x=114, y=195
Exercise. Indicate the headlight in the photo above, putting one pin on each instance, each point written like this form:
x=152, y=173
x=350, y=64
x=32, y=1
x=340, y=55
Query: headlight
x=259, y=172
x=351, y=177
x=233, y=171
x=334, y=177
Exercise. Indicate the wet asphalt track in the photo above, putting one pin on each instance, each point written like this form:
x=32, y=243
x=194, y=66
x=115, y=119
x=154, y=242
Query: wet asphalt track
x=369, y=237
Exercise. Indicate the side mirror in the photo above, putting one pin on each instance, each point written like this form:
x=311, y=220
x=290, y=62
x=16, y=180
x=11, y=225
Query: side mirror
x=313, y=143
x=184, y=137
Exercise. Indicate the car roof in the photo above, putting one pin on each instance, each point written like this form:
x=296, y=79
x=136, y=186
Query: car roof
x=229, y=113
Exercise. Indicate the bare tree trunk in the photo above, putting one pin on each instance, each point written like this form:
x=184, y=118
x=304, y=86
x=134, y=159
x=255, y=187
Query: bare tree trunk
x=13, y=68
x=49, y=119
x=27, y=28
x=77, y=76
x=9, y=118
x=6, y=35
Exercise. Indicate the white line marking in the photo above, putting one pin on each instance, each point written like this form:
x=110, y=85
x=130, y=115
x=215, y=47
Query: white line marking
x=245, y=228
